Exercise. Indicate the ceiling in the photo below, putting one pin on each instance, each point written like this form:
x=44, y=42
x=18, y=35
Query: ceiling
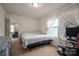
x=26, y=9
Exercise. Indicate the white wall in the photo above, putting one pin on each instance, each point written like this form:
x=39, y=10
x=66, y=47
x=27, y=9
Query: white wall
x=77, y=14
x=25, y=24
x=43, y=25
x=2, y=21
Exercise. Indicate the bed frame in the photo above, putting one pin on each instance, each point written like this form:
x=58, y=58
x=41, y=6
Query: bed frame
x=38, y=43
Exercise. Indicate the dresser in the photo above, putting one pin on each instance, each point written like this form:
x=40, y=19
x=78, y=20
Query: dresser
x=5, y=46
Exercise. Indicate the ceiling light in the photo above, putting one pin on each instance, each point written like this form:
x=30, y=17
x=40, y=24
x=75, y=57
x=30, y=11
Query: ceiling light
x=35, y=4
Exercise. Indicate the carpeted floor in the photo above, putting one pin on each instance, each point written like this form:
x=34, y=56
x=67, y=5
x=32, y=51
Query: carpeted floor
x=43, y=50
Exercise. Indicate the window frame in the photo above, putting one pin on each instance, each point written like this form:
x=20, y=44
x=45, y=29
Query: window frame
x=54, y=27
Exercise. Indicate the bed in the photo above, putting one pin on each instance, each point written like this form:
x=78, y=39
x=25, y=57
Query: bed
x=33, y=39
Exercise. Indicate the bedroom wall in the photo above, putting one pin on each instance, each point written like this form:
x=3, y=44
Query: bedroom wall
x=25, y=24
x=43, y=25
x=65, y=14
x=2, y=21
x=77, y=15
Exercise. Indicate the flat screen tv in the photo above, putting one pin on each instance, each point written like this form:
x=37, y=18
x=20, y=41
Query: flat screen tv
x=71, y=32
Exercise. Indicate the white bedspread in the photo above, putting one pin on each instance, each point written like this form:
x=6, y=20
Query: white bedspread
x=29, y=38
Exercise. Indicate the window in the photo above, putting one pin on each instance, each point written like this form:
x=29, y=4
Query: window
x=12, y=29
x=52, y=28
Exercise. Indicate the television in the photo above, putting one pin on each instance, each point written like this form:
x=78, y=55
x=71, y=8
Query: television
x=72, y=32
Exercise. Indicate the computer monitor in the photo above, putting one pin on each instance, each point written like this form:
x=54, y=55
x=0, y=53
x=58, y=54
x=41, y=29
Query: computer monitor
x=71, y=32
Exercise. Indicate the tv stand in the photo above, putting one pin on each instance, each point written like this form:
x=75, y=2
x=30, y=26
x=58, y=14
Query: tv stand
x=66, y=42
x=71, y=39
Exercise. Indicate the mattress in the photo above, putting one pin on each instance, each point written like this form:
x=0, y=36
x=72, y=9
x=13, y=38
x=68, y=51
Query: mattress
x=30, y=38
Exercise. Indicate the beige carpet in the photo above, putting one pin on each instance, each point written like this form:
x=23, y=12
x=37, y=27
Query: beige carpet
x=43, y=50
